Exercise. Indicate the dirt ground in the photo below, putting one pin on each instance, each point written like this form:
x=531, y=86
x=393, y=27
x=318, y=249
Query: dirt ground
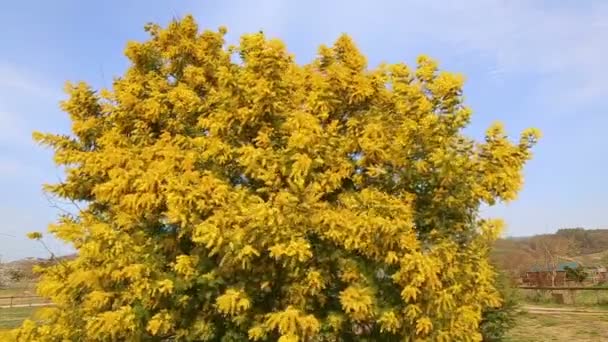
x=540, y=325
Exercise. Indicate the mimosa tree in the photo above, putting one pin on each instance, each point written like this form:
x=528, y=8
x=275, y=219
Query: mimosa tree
x=233, y=194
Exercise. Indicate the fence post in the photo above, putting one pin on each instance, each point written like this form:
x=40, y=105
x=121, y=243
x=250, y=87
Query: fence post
x=11, y=303
x=573, y=296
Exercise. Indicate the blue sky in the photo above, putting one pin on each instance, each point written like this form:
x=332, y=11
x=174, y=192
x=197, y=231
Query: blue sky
x=527, y=63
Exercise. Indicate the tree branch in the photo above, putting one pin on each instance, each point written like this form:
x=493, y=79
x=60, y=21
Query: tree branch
x=54, y=204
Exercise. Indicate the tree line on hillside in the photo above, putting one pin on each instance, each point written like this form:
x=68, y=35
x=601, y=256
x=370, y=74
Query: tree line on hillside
x=586, y=241
x=517, y=255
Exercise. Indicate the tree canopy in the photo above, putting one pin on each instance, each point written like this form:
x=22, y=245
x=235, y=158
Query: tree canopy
x=577, y=273
x=233, y=194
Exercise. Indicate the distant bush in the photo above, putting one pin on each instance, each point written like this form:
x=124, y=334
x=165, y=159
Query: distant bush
x=16, y=275
x=496, y=322
x=577, y=274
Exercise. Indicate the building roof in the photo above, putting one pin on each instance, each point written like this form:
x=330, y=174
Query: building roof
x=560, y=267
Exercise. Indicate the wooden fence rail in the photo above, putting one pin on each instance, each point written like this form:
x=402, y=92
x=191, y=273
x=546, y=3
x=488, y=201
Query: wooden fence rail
x=23, y=301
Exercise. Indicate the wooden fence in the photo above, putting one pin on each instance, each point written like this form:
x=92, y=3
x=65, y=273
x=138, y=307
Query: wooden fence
x=23, y=301
x=566, y=294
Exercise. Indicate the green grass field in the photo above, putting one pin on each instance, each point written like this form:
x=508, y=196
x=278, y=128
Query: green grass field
x=21, y=289
x=11, y=318
x=590, y=298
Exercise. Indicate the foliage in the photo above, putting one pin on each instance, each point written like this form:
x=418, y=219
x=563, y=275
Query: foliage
x=496, y=322
x=16, y=275
x=235, y=195
x=577, y=274
x=9, y=274
x=34, y=235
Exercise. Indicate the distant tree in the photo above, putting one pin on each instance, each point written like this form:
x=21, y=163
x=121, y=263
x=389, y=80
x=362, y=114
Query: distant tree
x=550, y=249
x=16, y=275
x=8, y=274
x=577, y=273
x=235, y=198
x=588, y=241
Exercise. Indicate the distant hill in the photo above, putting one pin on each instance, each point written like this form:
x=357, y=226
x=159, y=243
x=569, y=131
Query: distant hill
x=32, y=261
x=587, y=246
x=25, y=266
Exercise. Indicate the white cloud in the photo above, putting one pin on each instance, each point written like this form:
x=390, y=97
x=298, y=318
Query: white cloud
x=18, y=80
x=561, y=46
x=20, y=92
